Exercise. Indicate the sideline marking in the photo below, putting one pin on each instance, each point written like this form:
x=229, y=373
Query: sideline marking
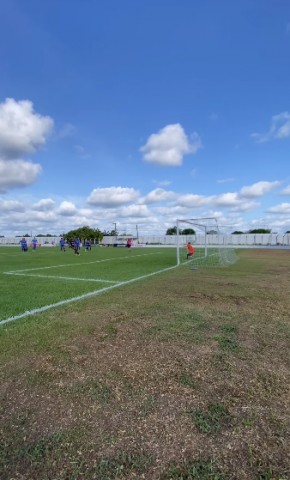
x=61, y=278
x=82, y=297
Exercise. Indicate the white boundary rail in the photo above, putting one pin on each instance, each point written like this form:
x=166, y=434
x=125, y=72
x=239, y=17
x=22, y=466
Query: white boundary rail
x=229, y=239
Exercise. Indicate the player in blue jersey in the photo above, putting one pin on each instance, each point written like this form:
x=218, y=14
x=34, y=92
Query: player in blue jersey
x=88, y=245
x=34, y=243
x=62, y=244
x=23, y=244
x=74, y=243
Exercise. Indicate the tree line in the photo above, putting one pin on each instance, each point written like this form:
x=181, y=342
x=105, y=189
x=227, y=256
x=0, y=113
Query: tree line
x=190, y=231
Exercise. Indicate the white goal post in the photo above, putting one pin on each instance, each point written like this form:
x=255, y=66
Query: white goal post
x=207, y=240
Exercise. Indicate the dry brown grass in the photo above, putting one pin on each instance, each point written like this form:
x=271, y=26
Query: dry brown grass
x=183, y=376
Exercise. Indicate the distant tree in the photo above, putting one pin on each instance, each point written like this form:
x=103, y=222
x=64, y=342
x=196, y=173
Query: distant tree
x=260, y=230
x=288, y=231
x=188, y=231
x=112, y=233
x=46, y=235
x=172, y=231
x=237, y=232
x=85, y=232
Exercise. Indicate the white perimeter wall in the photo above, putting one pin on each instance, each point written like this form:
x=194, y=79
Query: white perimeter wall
x=199, y=239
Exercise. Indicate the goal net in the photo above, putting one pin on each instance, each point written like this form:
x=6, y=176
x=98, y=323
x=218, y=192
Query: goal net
x=207, y=238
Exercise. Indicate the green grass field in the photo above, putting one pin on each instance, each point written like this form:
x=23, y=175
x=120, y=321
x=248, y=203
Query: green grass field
x=46, y=276
x=182, y=375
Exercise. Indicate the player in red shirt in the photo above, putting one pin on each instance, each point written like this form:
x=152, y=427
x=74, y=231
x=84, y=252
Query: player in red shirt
x=129, y=243
x=190, y=250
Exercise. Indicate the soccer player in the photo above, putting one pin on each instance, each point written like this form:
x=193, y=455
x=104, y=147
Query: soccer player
x=34, y=243
x=190, y=250
x=75, y=245
x=23, y=245
x=88, y=245
x=62, y=244
x=129, y=243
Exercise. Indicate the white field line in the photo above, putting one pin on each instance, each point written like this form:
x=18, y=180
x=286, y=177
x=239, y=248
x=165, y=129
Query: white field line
x=99, y=280
x=83, y=263
x=82, y=297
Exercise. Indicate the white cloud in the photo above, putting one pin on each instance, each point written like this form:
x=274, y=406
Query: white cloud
x=229, y=199
x=192, y=201
x=31, y=220
x=244, y=206
x=44, y=204
x=172, y=211
x=283, y=208
x=17, y=173
x=67, y=209
x=154, y=209
x=279, y=129
x=162, y=183
x=136, y=211
x=243, y=201
x=86, y=212
x=169, y=145
x=112, y=196
x=158, y=195
x=36, y=217
x=286, y=191
x=22, y=131
x=11, y=205
x=234, y=202
x=258, y=189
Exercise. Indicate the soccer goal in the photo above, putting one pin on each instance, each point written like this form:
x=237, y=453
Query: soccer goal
x=208, y=241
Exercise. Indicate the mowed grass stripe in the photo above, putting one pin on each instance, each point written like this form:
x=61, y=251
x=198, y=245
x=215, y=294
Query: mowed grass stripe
x=26, y=293
x=120, y=268
x=82, y=263
x=81, y=297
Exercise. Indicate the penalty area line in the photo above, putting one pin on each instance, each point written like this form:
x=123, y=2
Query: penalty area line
x=82, y=297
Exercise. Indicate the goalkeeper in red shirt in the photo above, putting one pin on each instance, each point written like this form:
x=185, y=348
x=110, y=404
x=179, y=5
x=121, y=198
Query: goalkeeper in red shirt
x=190, y=250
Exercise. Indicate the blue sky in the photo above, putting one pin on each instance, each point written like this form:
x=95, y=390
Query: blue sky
x=139, y=112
